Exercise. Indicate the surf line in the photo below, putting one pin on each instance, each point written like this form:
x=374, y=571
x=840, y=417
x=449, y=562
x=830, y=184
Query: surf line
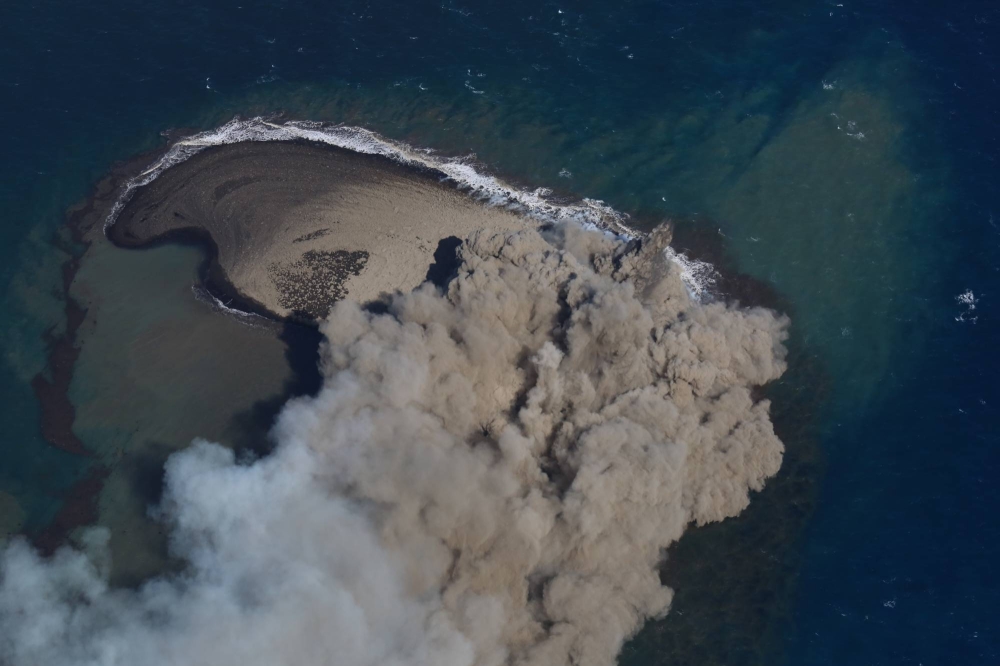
x=464, y=172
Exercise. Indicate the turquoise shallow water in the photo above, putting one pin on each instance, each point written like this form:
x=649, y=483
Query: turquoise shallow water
x=843, y=155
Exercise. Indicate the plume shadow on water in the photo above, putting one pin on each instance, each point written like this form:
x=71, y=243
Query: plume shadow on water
x=253, y=426
x=146, y=472
x=734, y=581
x=249, y=430
x=445, y=261
x=298, y=332
x=143, y=465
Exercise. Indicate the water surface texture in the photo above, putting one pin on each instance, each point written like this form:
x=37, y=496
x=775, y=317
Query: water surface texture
x=842, y=156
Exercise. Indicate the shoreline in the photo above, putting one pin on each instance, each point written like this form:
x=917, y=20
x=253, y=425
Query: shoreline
x=289, y=246
x=696, y=248
x=462, y=172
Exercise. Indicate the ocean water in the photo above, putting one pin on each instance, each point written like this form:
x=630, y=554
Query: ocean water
x=841, y=155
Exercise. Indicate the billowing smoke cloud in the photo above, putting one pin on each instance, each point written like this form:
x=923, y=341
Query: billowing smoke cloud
x=489, y=476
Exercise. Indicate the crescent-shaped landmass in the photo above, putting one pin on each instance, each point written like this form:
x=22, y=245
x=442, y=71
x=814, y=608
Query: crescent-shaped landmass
x=296, y=226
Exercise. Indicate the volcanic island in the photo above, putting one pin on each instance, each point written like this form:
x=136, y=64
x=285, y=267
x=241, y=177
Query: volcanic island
x=294, y=226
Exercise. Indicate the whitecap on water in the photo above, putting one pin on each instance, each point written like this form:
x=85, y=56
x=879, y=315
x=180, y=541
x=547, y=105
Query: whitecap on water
x=968, y=300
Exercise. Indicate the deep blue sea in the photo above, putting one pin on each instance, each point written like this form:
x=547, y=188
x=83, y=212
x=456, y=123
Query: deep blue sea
x=845, y=154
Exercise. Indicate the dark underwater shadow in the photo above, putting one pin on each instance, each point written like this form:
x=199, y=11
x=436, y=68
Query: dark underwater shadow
x=252, y=427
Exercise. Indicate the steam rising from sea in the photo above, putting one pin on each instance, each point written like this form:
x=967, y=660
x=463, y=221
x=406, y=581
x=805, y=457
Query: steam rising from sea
x=490, y=475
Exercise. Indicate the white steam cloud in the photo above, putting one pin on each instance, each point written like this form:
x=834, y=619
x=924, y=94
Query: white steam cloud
x=489, y=476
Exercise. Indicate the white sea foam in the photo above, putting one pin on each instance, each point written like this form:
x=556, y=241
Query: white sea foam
x=247, y=318
x=698, y=276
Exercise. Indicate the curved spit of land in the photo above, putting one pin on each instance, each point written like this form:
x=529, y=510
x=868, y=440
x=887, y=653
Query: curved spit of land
x=295, y=226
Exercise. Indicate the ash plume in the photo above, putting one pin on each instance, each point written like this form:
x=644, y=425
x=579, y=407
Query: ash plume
x=489, y=476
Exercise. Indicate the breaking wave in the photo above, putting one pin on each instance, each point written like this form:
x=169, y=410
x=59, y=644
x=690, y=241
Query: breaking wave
x=464, y=172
